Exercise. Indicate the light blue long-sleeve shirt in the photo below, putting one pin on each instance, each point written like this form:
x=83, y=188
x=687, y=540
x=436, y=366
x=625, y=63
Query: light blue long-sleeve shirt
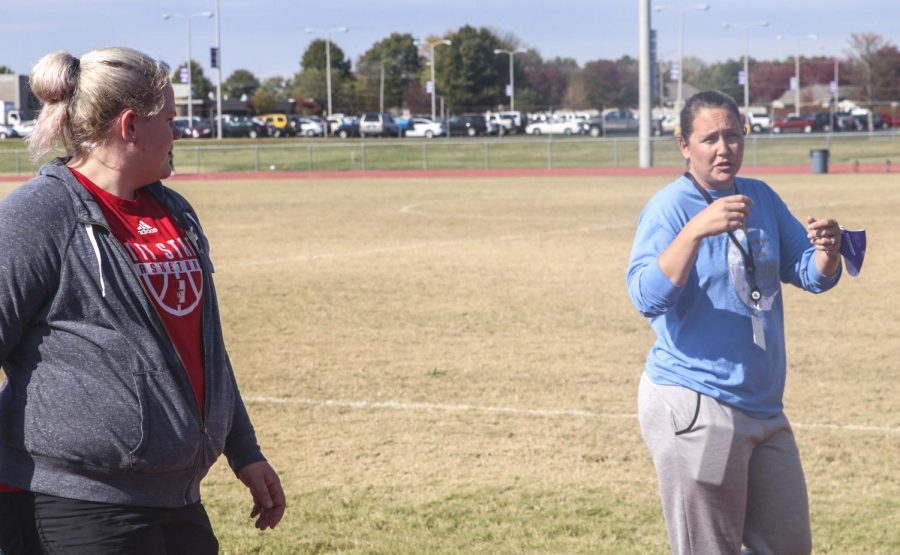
x=704, y=329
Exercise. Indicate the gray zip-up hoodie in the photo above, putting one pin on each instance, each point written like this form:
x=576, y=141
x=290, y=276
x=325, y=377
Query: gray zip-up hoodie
x=97, y=404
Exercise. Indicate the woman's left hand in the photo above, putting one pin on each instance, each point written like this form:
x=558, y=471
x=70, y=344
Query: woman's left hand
x=825, y=235
x=268, y=496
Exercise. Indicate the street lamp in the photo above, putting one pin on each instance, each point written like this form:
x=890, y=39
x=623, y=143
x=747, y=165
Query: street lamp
x=811, y=36
x=746, y=27
x=431, y=47
x=187, y=19
x=218, y=72
x=512, y=81
x=682, y=10
x=327, y=34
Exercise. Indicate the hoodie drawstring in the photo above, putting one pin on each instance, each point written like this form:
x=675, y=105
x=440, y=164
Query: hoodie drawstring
x=90, y=232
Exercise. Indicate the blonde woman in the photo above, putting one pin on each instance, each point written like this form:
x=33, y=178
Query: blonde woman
x=120, y=393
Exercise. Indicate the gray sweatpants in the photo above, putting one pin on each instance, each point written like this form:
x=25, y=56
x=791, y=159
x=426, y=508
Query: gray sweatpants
x=725, y=478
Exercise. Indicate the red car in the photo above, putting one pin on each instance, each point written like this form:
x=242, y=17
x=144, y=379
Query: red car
x=795, y=124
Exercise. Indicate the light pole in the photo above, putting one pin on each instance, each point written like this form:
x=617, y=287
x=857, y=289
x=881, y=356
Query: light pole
x=746, y=27
x=187, y=19
x=811, y=36
x=835, y=98
x=218, y=72
x=681, y=11
x=431, y=46
x=327, y=34
x=512, y=81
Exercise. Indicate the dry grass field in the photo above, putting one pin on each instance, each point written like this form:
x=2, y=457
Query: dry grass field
x=451, y=366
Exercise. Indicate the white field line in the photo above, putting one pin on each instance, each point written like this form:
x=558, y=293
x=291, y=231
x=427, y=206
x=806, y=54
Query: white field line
x=575, y=413
x=432, y=407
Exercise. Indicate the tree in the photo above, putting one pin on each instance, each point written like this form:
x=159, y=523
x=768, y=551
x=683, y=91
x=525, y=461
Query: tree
x=4, y=69
x=864, y=48
x=263, y=100
x=241, y=82
x=769, y=80
x=546, y=83
x=469, y=74
x=398, y=57
x=311, y=80
x=604, y=83
x=199, y=83
x=886, y=73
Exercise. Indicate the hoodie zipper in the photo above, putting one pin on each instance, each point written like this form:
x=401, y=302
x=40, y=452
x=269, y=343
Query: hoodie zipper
x=191, y=234
x=161, y=328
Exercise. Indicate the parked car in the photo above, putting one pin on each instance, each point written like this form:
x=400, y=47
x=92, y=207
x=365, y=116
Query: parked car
x=467, y=124
x=378, y=124
x=556, y=126
x=7, y=132
x=25, y=128
x=424, y=127
x=305, y=127
x=198, y=128
x=349, y=127
x=279, y=123
x=862, y=121
x=500, y=125
x=824, y=121
x=890, y=121
x=517, y=119
x=796, y=124
x=613, y=121
x=243, y=127
x=759, y=121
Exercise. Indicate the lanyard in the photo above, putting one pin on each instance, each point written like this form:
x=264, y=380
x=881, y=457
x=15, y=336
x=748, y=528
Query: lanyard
x=746, y=254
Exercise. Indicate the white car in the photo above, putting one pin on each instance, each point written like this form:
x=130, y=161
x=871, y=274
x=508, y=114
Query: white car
x=7, y=132
x=25, y=128
x=424, y=127
x=556, y=126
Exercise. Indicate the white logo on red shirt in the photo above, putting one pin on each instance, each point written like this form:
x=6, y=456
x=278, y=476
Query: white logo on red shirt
x=145, y=229
x=171, y=272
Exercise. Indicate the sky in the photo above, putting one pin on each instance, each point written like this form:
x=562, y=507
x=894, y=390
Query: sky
x=268, y=38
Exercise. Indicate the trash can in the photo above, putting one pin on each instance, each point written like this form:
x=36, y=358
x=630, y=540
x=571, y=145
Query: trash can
x=819, y=160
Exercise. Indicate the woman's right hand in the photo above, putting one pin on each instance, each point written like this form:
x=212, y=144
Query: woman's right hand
x=725, y=214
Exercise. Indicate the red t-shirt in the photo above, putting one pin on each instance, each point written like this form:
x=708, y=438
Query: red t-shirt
x=167, y=265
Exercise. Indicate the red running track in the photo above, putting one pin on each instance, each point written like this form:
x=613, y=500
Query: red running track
x=669, y=171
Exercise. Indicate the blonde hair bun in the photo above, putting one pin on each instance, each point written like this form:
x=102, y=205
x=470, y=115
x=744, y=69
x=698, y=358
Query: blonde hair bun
x=55, y=77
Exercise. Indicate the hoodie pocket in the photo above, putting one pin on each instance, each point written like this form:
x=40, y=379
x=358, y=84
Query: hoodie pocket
x=170, y=433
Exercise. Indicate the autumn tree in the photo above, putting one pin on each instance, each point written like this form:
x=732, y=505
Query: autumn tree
x=603, y=84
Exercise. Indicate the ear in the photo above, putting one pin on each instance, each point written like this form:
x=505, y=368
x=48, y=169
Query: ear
x=685, y=148
x=126, y=129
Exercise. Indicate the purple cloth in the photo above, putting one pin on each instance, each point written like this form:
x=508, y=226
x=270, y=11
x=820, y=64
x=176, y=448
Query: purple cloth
x=853, y=249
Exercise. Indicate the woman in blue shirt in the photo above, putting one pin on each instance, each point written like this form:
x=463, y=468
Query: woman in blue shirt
x=709, y=256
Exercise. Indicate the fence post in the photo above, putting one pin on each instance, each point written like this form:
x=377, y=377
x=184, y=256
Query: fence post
x=487, y=156
x=363, y=155
x=549, y=153
x=18, y=163
x=755, y=150
x=257, y=157
x=308, y=158
x=616, y=153
x=196, y=159
x=425, y=156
